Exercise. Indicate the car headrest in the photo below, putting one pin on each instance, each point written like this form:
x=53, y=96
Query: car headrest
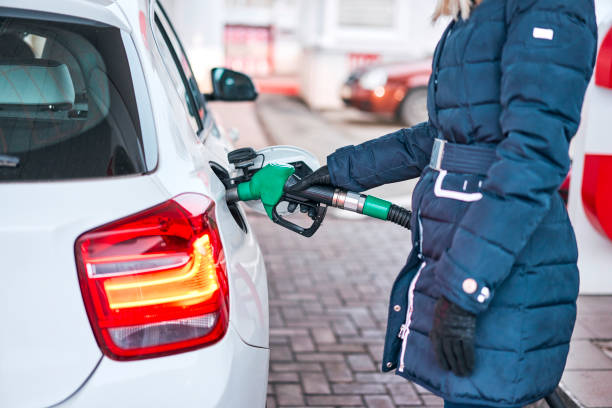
x=87, y=68
x=35, y=85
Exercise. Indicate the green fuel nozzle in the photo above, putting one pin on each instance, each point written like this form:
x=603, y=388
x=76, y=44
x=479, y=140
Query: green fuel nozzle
x=267, y=185
x=272, y=184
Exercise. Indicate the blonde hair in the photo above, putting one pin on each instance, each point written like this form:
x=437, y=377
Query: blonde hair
x=454, y=7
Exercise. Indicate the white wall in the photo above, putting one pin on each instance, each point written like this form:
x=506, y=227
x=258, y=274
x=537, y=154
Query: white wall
x=309, y=41
x=410, y=34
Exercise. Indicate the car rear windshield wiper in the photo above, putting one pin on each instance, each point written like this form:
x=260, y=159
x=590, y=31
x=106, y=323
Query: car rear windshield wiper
x=8, y=161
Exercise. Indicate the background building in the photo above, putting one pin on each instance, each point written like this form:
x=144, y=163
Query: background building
x=302, y=46
x=340, y=35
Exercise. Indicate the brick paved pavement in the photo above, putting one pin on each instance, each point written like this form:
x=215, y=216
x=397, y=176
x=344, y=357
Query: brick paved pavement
x=328, y=305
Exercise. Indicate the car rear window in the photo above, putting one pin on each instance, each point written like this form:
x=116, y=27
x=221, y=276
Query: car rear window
x=67, y=103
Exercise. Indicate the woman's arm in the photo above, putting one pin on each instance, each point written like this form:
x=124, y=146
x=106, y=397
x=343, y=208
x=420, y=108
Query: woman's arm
x=398, y=156
x=547, y=62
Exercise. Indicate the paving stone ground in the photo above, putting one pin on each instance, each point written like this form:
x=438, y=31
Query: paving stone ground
x=328, y=305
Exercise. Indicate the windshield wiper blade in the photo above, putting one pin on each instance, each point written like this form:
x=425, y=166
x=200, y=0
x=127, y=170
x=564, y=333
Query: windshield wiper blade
x=8, y=161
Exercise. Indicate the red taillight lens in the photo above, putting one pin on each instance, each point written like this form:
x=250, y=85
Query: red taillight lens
x=154, y=283
x=597, y=192
x=603, y=69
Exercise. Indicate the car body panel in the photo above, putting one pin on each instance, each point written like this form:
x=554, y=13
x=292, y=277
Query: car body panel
x=88, y=10
x=227, y=374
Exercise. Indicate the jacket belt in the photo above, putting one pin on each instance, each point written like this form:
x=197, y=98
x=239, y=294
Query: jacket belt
x=459, y=158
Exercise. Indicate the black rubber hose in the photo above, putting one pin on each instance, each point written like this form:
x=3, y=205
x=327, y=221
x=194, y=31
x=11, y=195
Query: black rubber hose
x=554, y=400
x=399, y=216
x=319, y=194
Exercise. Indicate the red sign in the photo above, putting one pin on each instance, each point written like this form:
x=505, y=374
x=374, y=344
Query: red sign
x=249, y=49
x=357, y=60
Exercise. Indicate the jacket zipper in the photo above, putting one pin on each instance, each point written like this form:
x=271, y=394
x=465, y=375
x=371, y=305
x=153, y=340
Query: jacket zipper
x=420, y=255
x=405, y=329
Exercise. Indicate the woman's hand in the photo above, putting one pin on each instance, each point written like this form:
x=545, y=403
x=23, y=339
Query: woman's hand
x=452, y=336
x=319, y=177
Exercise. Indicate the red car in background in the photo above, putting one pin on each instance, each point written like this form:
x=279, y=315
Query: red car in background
x=398, y=89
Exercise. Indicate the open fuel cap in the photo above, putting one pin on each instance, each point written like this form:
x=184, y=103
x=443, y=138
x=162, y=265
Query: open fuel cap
x=293, y=155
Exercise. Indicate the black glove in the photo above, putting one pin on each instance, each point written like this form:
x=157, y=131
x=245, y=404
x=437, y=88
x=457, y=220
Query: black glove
x=319, y=177
x=452, y=336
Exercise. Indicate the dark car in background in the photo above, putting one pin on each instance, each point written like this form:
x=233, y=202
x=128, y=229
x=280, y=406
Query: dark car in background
x=393, y=89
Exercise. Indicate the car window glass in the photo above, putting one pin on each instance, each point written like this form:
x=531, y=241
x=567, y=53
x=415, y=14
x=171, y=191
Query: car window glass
x=67, y=103
x=176, y=63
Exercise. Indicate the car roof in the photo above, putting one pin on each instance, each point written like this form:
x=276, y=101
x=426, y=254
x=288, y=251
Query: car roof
x=104, y=11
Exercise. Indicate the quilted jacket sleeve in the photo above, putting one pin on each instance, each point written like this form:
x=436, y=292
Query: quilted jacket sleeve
x=398, y=156
x=547, y=62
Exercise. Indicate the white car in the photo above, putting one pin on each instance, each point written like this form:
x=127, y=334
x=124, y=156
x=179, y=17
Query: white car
x=126, y=280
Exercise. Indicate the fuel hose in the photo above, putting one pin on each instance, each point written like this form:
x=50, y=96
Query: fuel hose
x=359, y=203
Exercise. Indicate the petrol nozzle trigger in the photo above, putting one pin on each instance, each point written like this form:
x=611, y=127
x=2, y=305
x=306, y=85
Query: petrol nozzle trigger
x=319, y=212
x=315, y=210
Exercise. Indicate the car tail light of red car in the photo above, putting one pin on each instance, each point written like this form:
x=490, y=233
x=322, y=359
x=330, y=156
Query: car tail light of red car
x=603, y=69
x=154, y=283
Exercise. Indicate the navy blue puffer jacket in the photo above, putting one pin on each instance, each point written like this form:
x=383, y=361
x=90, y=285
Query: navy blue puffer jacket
x=512, y=77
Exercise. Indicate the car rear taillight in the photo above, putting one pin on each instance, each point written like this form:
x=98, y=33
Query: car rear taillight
x=597, y=192
x=603, y=69
x=154, y=283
